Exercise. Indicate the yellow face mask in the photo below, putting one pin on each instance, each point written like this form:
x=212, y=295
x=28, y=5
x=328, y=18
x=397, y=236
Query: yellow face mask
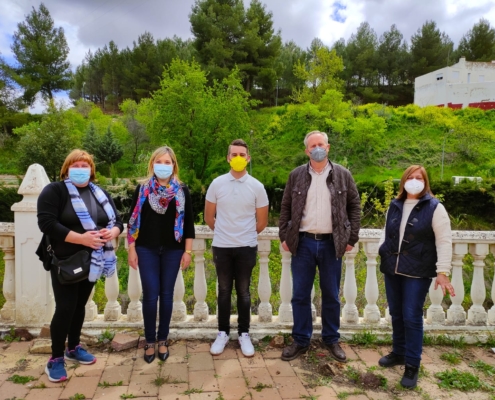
x=238, y=163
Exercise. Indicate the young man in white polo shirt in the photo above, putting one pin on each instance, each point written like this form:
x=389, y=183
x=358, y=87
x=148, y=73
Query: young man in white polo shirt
x=236, y=209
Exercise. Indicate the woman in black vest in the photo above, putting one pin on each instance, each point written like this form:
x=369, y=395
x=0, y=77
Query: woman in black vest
x=416, y=246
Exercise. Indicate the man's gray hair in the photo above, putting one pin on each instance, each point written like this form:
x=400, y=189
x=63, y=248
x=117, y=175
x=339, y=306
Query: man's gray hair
x=325, y=136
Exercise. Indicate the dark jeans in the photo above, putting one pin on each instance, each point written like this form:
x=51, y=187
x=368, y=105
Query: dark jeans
x=158, y=268
x=234, y=264
x=310, y=254
x=406, y=298
x=70, y=308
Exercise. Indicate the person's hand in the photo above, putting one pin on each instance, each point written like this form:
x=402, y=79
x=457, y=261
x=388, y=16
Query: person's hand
x=348, y=248
x=92, y=239
x=284, y=246
x=132, y=258
x=444, y=282
x=185, y=261
x=109, y=234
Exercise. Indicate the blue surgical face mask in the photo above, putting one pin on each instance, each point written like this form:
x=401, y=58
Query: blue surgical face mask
x=79, y=176
x=318, y=154
x=163, y=171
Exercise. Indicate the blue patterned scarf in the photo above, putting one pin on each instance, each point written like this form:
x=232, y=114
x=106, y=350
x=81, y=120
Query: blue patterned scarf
x=103, y=260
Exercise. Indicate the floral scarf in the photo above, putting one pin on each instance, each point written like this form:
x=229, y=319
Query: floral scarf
x=159, y=198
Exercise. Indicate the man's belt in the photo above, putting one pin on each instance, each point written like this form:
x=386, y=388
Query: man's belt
x=317, y=236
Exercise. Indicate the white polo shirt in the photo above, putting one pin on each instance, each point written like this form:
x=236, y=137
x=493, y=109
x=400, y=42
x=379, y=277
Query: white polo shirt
x=237, y=201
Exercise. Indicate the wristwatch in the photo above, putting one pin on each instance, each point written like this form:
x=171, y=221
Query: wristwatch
x=447, y=274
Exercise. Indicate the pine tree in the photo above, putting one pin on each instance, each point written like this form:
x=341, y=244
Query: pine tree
x=108, y=150
x=479, y=43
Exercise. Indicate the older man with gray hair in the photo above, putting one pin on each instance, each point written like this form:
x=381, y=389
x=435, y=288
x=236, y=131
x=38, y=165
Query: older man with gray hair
x=319, y=222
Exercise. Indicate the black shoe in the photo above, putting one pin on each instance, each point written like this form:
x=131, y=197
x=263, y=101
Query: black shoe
x=391, y=360
x=410, y=378
x=163, y=356
x=149, y=358
x=292, y=352
x=336, y=351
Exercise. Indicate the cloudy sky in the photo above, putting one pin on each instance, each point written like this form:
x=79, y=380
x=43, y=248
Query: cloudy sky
x=90, y=24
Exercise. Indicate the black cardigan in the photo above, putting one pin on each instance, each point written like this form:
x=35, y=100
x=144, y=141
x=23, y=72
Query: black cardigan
x=158, y=229
x=56, y=218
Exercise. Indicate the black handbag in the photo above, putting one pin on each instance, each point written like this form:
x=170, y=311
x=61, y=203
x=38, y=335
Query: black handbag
x=72, y=269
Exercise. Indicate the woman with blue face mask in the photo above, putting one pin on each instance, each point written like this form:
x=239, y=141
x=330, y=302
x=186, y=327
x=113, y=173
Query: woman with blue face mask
x=76, y=215
x=160, y=234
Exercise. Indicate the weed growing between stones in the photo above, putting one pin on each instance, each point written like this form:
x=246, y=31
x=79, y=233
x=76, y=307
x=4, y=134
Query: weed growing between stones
x=463, y=381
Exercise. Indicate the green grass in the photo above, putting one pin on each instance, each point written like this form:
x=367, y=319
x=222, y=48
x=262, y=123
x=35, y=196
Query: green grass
x=482, y=366
x=21, y=380
x=77, y=396
x=192, y=391
x=444, y=340
x=127, y=396
x=453, y=358
x=463, y=381
x=260, y=386
x=106, y=384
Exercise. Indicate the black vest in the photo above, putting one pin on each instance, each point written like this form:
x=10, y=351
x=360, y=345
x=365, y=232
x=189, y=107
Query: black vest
x=418, y=253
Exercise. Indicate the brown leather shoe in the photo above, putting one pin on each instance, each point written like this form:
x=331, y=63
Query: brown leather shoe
x=292, y=352
x=336, y=351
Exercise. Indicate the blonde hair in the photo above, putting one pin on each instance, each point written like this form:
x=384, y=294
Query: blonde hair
x=75, y=156
x=325, y=137
x=413, y=168
x=161, y=151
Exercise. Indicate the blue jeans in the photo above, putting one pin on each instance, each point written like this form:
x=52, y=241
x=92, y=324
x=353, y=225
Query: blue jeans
x=406, y=298
x=310, y=254
x=234, y=264
x=158, y=268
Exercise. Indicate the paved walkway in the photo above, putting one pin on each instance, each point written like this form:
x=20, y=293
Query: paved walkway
x=192, y=373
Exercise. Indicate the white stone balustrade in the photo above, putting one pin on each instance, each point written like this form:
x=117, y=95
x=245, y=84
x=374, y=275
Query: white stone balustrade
x=29, y=301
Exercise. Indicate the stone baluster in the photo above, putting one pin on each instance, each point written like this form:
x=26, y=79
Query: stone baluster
x=134, y=290
x=113, y=309
x=477, y=314
x=179, y=311
x=491, y=311
x=456, y=314
x=350, y=313
x=313, y=308
x=371, y=311
x=7, y=314
x=91, y=308
x=264, y=284
x=285, y=309
x=200, y=308
x=435, y=314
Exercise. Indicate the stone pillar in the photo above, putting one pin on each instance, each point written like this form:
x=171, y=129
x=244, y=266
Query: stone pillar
x=134, y=289
x=477, y=314
x=350, y=313
x=371, y=311
x=91, y=308
x=435, y=313
x=179, y=310
x=33, y=303
x=456, y=314
x=285, y=309
x=491, y=311
x=7, y=314
x=200, y=288
x=264, y=285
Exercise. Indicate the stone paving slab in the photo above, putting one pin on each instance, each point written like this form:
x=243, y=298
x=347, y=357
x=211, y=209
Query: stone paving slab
x=192, y=373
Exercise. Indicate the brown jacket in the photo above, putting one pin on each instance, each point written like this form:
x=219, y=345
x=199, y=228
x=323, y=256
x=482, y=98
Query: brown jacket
x=346, y=207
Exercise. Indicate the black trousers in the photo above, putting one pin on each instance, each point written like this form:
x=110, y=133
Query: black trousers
x=234, y=265
x=70, y=303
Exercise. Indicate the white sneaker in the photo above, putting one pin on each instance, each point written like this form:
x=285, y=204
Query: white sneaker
x=246, y=345
x=219, y=343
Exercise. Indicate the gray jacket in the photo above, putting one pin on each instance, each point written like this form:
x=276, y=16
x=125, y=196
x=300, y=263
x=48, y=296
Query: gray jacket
x=346, y=207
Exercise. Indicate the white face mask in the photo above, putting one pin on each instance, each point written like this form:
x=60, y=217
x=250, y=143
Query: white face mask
x=413, y=186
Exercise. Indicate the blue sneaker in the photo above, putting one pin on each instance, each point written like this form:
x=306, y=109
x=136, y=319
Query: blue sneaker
x=55, y=369
x=80, y=355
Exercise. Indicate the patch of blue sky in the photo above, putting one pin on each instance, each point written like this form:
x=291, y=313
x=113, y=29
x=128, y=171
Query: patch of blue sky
x=337, y=7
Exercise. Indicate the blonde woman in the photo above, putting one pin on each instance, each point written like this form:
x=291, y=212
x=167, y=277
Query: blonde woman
x=160, y=236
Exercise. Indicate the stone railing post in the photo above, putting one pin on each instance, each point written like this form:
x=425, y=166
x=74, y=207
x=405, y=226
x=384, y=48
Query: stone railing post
x=33, y=303
x=91, y=308
x=200, y=308
x=491, y=311
x=7, y=314
x=350, y=313
x=456, y=314
x=477, y=314
x=371, y=311
x=285, y=309
x=264, y=284
x=313, y=308
x=134, y=290
x=435, y=313
x=179, y=310
x=113, y=309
